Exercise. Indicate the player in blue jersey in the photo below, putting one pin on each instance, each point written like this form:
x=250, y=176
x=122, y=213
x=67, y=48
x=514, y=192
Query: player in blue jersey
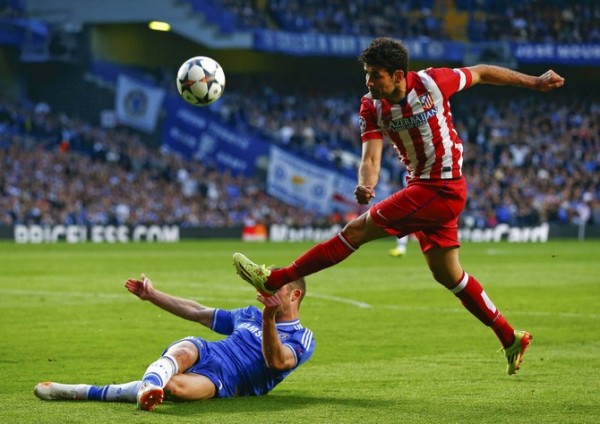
x=260, y=350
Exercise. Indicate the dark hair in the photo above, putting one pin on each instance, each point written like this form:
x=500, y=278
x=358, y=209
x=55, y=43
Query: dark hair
x=386, y=52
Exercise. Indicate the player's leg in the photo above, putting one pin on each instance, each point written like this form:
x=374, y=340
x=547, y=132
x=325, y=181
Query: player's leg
x=179, y=356
x=446, y=269
x=439, y=206
x=357, y=232
x=400, y=249
x=50, y=390
x=190, y=386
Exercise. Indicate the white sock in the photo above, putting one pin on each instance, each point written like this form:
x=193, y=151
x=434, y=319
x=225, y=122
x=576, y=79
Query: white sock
x=114, y=392
x=160, y=371
x=401, y=242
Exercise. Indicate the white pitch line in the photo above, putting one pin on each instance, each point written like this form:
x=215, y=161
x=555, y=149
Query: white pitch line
x=360, y=304
x=344, y=300
x=340, y=300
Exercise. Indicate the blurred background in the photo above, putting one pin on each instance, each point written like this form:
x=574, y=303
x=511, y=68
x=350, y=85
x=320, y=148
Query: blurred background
x=96, y=144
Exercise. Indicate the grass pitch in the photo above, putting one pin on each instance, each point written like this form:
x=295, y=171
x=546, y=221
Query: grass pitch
x=392, y=345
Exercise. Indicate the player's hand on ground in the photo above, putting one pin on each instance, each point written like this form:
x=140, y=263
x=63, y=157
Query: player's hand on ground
x=271, y=304
x=364, y=194
x=549, y=80
x=141, y=288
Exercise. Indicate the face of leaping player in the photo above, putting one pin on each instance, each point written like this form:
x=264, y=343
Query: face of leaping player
x=382, y=84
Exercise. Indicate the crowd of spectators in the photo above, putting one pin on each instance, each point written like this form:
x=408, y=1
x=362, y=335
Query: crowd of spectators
x=525, y=164
x=403, y=18
x=559, y=21
x=411, y=18
x=314, y=122
x=12, y=8
x=58, y=170
x=528, y=164
x=563, y=21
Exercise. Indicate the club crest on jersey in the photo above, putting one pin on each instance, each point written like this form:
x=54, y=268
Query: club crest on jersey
x=426, y=100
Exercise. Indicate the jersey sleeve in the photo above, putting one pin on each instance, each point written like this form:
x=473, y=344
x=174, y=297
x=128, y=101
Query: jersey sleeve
x=449, y=80
x=367, y=119
x=223, y=322
x=302, y=343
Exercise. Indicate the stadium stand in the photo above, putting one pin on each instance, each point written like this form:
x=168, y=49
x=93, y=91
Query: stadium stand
x=480, y=20
x=525, y=164
x=563, y=21
x=56, y=168
x=365, y=17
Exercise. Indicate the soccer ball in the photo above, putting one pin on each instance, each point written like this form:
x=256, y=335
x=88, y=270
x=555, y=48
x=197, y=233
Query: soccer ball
x=200, y=80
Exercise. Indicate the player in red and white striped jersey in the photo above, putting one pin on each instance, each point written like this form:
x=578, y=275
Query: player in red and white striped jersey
x=412, y=111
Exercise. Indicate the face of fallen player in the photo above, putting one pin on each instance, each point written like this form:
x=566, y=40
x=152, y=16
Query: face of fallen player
x=289, y=297
x=383, y=85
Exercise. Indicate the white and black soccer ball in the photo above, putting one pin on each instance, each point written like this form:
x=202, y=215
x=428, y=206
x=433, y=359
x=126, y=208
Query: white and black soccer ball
x=200, y=80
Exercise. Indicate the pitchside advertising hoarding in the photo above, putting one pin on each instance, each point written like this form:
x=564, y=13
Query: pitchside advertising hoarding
x=315, y=44
x=37, y=234
x=43, y=234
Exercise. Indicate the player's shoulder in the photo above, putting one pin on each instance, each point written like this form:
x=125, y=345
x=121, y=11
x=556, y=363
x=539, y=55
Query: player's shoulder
x=367, y=97
x=247, y=312
x=304, y=336
x=293, y=326
x=252, y=310
x=441, y=72
x=367, y=103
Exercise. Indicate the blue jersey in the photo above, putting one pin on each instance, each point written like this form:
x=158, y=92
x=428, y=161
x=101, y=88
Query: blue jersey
x=236, y=364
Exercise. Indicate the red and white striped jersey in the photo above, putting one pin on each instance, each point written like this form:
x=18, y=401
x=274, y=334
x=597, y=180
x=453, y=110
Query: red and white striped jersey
x=420, y=126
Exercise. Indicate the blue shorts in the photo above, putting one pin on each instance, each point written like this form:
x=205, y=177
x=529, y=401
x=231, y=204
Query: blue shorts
x=212, y=367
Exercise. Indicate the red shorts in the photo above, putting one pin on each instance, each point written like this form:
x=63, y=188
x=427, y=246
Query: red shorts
x=427, y=208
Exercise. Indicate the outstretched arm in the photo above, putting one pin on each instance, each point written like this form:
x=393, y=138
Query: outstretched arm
x=277, y=356
x=184, y=308
x=368, y=172
x=497, y=75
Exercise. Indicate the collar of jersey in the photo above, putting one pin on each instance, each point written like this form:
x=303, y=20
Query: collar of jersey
x=286, y=323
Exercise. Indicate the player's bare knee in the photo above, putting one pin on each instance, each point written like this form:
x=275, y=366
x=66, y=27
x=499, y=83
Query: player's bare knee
x=185, y=353
x=442, y=277
x=353, y=227
x=438, y=276
x=359, y=231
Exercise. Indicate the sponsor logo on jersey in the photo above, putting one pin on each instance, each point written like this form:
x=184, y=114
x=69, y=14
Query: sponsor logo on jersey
x=417, y=120
x=252, y=328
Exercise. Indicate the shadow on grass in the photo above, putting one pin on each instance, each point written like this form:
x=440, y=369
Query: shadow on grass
x=266, y=404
